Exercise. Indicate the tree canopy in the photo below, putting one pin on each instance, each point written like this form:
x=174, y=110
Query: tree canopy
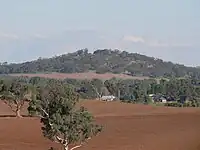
x=15, y=93
x=63, y=122
x=102, y=61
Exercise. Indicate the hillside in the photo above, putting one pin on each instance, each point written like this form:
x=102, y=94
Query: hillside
x=80, y=76
x=103, y=61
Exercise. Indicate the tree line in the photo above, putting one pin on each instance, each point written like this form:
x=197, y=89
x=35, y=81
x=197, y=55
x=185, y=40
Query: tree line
x=103, y=61
x=177, y=91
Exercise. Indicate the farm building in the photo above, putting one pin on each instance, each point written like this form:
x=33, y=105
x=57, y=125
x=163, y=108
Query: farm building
x=108, y=98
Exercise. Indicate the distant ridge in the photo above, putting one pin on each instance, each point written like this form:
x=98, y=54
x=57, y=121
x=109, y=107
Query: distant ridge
x=103, y=61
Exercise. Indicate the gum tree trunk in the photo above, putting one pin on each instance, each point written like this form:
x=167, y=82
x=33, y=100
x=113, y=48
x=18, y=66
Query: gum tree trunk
x=66, y=147
x=18, y=115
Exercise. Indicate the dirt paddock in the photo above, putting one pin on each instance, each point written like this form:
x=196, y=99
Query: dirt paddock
x=85, y=75
x=126, y=127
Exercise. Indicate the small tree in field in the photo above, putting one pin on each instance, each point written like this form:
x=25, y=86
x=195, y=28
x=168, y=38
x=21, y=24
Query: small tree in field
x=14, y=93
x=63, y=122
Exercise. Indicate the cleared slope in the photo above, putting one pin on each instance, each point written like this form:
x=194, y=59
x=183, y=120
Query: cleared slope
x=86, y=75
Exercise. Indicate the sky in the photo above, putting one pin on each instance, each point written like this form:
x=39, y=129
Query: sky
x=166, y=29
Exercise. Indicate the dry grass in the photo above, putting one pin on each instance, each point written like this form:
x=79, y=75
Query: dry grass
x=88, y=75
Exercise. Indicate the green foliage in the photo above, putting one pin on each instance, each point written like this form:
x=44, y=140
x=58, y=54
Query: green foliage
x=14, y=93
x=62, y=121
x=136, y=91
x=114, y=86
x=37, y=81
x=192, y=103
x=174, y=104
x=103, y=61
x=97, y=86
x=93, y=88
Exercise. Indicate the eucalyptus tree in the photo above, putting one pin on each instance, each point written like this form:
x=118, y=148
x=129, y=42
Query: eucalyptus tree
x=63, y=122
x=15, y=93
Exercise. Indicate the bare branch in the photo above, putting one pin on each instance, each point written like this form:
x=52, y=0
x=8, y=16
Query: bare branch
x=10, y=105
x=78, y=146
x=59, y=139
x=75, y=147
x=95, y=89
x=44, y=111
x=21, y=104
x=16, y=102
x=40, y=116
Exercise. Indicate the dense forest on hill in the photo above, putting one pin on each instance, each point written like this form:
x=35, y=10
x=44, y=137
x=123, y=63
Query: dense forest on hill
x=102, y=61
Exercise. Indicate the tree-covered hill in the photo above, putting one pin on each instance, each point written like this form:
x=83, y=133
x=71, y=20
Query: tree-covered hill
x=102, y=61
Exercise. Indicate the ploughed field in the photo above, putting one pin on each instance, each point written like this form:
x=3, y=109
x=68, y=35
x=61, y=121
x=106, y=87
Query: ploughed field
x=126, y=127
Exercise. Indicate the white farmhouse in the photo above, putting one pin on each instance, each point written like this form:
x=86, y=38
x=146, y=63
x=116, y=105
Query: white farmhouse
x=108, y=98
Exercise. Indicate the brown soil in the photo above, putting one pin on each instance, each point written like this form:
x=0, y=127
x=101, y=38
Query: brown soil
x=126, y=127
x=88, y=75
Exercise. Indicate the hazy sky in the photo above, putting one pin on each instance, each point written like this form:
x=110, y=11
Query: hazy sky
x=168, y=29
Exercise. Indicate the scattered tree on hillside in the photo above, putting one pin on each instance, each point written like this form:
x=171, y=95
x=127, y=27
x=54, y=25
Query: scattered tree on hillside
x=15, y=93
x=63, y=122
